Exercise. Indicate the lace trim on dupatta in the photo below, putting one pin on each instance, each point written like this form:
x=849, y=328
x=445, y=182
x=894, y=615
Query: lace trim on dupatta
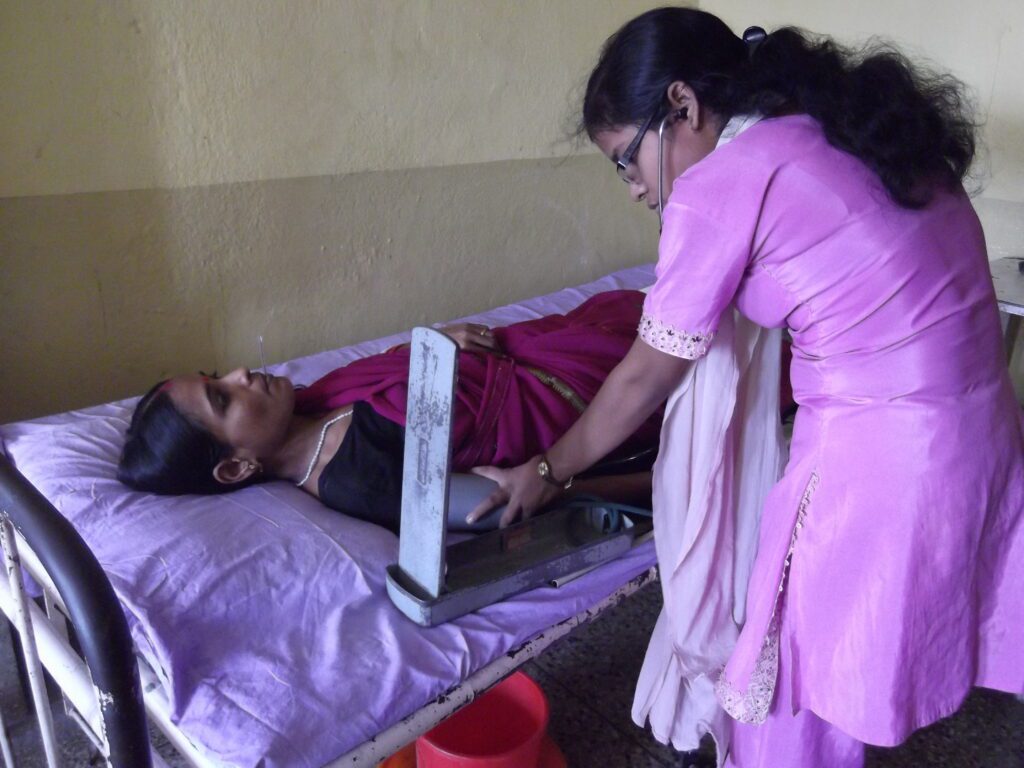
x=667, y=338
x=752, y=705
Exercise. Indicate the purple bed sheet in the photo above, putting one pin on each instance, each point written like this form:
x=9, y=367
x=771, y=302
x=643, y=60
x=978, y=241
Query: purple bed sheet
x=264, y=612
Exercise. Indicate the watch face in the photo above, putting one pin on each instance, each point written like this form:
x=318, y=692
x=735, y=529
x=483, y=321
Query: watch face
x=543, y=469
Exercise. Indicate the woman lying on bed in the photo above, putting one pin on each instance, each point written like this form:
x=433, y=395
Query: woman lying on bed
x=342, y=438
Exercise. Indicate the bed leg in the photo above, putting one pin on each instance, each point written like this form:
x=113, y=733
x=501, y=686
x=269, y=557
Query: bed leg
x=28, y=641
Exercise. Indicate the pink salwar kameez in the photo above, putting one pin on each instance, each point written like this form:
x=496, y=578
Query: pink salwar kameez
x=889, y=576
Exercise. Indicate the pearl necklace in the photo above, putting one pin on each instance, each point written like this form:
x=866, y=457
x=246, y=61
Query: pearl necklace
x=320, y=445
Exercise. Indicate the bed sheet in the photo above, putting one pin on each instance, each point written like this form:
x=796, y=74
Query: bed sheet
x=266, y=613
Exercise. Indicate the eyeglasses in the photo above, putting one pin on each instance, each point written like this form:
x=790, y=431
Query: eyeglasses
x=626, y=159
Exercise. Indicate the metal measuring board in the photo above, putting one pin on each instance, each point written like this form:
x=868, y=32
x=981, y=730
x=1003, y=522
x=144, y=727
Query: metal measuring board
x=433, y=583
x=433, y=366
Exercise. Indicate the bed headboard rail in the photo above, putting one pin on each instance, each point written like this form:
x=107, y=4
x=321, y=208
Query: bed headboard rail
x=94, y=610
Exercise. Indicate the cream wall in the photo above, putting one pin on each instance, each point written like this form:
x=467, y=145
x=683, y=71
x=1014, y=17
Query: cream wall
x=982, y=44
x=177, y=177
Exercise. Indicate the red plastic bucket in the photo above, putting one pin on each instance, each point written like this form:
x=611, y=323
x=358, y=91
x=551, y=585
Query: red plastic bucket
x=501, y=729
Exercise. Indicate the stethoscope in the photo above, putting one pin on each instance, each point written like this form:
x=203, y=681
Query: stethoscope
x=661, y=167
x=752, y=38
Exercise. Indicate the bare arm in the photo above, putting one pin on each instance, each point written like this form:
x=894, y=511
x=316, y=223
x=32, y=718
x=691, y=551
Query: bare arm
x=630, y=394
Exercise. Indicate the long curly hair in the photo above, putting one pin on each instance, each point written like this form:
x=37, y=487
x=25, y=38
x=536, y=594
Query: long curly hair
x=913, y=127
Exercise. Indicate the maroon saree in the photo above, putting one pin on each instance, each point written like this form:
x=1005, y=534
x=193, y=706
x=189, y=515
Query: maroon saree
x=513, y=406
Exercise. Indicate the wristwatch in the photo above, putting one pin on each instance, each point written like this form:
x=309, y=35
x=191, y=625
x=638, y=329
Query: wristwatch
x=544, y=470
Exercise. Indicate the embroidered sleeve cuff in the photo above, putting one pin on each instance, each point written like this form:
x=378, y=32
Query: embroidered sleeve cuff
x=673, y=341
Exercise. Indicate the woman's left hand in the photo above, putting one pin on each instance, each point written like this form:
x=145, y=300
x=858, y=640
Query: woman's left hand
x=472, y=337
x=521, y=488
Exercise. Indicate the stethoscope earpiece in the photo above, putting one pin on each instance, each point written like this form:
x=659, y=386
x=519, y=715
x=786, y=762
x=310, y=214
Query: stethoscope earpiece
x=661, y=160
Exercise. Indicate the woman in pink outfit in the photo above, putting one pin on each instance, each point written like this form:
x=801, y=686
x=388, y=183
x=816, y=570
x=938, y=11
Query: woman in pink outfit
x=820, y=191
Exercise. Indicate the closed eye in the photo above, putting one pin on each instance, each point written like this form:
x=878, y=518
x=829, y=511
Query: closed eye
x=217, y=398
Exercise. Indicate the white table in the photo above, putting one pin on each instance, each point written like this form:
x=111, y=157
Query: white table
x=1009, y=283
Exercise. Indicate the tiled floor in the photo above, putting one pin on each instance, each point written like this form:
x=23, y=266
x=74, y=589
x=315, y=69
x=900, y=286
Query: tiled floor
x=589, y=680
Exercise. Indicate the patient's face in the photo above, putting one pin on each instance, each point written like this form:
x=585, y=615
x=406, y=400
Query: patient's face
x=249, y=411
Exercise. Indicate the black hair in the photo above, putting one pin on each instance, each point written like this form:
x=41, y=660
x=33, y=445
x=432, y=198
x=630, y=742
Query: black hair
x=166, y=453
x=914, y=128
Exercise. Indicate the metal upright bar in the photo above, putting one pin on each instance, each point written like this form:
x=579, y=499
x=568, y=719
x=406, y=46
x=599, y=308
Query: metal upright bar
x=426, y=470
x=23, y=621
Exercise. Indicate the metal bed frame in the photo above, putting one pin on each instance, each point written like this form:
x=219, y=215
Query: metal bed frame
x=80, y=636
x=101, y=684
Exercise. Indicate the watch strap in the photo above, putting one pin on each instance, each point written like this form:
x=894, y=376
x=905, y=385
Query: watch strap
x=548, y=475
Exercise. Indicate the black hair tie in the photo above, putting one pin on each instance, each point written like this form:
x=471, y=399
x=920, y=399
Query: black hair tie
x=752, y=38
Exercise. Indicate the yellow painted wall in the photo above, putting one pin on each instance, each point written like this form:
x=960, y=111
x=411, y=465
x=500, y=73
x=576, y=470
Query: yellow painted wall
x=105, y=293
x=176, y=177
x=141, y=94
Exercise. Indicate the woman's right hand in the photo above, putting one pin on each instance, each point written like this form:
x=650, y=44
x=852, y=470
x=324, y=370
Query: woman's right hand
x=521, y=489
x=472, y=337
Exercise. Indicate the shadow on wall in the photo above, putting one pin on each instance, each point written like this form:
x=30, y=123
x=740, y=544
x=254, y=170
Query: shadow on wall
x=104, y=294
x=90, y=298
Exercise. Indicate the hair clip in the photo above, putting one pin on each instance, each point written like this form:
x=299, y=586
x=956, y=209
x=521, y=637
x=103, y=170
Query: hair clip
x=752, y=38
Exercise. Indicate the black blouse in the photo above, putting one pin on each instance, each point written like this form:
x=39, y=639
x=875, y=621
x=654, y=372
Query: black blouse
x=364, y=478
